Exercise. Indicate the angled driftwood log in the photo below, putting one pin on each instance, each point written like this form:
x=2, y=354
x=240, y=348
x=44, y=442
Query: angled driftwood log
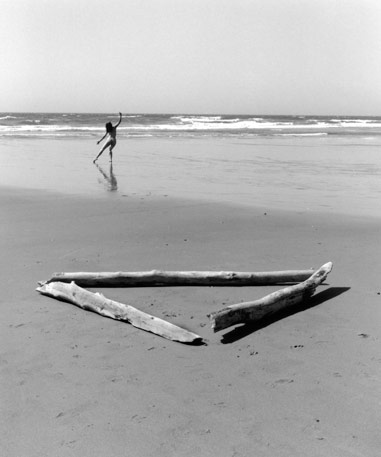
x=119, y=311
x=181, y=278
x=281, y=299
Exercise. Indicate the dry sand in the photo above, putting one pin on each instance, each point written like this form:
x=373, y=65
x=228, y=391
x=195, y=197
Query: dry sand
x=76, y=384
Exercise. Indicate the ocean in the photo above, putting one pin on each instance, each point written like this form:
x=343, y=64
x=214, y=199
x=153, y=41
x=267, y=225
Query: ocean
x=304, y=163
x=76, y=125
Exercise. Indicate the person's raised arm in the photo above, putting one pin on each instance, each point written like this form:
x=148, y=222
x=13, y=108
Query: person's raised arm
x=120, y=119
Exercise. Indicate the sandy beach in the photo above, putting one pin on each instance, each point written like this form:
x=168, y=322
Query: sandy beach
x=76, y=384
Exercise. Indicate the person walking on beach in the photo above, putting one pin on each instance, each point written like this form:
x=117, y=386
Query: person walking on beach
x=111, y=138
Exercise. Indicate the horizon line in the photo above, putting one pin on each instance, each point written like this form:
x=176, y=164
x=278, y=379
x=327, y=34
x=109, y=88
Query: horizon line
x=190, y=114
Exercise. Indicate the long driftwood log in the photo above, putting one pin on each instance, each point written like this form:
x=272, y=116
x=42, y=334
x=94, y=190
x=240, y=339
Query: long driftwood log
x=281, y=299
x=181, y=278
x=119, y=311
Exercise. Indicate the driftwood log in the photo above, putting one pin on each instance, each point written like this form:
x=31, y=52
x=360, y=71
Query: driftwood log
x=181, y=278
x=119, y=311
x=281, y=299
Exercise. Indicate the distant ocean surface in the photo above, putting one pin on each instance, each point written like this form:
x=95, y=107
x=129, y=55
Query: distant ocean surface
x=51, y=125
x=315, y=163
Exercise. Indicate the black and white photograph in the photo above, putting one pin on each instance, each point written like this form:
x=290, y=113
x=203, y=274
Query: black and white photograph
x=190, y=228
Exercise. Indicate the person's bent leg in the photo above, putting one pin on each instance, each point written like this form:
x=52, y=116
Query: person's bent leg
x=101, y=151
x=112, y=145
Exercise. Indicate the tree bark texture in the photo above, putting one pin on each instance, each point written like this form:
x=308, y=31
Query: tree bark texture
x=109, y=308
x=181, y=278
x=281, y=299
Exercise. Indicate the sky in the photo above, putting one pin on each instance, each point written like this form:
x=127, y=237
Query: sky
x=191, y=56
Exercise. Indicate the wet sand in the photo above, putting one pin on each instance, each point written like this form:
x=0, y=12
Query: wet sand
x=74, y=383
x=330, y=175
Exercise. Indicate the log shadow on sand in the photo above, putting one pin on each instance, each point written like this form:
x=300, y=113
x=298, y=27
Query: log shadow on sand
x=246, y=329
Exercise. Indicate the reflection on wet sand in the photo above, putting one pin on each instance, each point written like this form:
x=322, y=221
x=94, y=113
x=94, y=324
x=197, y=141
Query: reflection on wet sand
x=108, y=179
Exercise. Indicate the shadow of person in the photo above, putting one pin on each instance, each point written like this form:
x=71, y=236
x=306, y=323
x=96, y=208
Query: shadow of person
x=246, y=329
x=108, y=179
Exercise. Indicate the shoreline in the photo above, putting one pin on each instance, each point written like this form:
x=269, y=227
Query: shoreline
x=76, y=383
x=167, y=200
x=300, y=174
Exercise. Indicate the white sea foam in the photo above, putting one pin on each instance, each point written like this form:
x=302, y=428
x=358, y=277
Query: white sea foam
x=201, y=118
x=48, y=128
x=7, y=117
x=200, y=124
x=302, y=134
x=82, y=125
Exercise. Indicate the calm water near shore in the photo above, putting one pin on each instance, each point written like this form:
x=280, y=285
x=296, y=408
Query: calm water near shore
x=324, y=174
